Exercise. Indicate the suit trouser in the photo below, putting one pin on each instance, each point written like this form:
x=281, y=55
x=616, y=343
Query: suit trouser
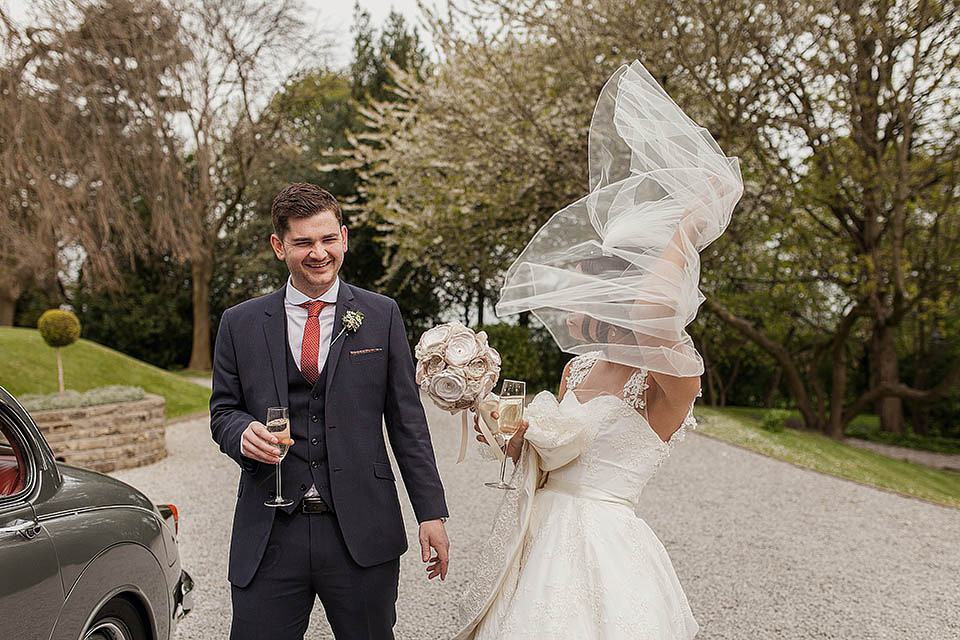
x=306, y=558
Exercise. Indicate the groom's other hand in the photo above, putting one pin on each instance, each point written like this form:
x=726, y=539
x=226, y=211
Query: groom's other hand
x=257, y=444
x=434, y=534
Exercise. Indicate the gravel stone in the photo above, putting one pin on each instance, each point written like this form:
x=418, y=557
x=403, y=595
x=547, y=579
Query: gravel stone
x=763, y=549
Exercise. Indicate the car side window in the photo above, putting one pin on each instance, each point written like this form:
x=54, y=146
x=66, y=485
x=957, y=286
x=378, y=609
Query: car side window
x=13, y=468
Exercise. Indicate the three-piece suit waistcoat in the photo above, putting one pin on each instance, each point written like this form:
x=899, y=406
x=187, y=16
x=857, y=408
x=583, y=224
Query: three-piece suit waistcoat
x=306, y=463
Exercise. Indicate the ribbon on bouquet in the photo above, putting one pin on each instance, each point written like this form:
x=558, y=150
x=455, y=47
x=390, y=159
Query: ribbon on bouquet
x=483, y=408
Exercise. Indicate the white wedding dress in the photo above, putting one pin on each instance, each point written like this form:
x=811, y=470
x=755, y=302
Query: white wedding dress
x=569, y=558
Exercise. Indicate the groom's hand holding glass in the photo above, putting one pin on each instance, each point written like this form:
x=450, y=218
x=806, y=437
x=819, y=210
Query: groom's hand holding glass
x=257, y=443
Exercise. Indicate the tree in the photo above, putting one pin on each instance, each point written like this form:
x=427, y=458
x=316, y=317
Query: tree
x=240, y=51
x=865, y=146
x=371, y=81
x=843, y=116
x=59, y=328
x=84, y=93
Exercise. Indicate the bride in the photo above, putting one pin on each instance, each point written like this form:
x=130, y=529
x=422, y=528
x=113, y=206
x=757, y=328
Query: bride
x=614, y=277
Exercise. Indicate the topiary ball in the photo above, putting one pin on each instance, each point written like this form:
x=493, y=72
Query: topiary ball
x=59, y=328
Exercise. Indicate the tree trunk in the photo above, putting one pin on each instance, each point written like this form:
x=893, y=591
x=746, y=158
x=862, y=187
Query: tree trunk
x=919, y=412
x=773, y=388
x=481, y=300
x=201, y=270
x=838, y=390
x=728, y=383
x=59, y=371
x=8, y=305
x=795, y=381
x=886, y=367
x=711, y=387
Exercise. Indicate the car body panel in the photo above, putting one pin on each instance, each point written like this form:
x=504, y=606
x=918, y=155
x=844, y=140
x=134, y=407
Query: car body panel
x=83, y=520
x=97, y=538
x=31, y=594
x=142, y=578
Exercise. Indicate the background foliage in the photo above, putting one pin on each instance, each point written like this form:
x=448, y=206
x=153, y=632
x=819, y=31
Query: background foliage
x=142, y=142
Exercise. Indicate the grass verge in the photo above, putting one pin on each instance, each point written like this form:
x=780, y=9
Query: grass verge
x=814, y=451
x=30, y=366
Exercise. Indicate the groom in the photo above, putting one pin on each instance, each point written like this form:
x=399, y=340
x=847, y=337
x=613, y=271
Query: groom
x=342, y=380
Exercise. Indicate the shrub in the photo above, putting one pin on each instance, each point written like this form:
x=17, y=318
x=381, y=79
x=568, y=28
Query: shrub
x=774, y=420
x=59, y=328
x=529, y=354
x=519, y=353
x=72, y=399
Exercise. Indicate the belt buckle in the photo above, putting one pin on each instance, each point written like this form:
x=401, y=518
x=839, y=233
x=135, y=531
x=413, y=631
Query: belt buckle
x=314, y=505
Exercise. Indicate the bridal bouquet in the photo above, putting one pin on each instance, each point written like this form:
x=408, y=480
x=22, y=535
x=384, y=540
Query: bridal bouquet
x=457, y=369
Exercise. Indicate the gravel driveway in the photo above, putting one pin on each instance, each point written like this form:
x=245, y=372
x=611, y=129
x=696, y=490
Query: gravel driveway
x=764, y=549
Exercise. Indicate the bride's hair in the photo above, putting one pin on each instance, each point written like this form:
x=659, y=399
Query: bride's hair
x=595, y=330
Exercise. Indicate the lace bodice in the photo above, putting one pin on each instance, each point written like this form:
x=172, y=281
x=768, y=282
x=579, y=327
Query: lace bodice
x=634, y=391
x=616, y=449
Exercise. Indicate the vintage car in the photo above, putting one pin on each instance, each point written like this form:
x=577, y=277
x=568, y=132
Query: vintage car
x=82, y=556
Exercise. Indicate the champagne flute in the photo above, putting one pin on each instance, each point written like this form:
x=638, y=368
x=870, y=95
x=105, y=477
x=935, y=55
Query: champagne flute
x=278, y=423
x=510, y=410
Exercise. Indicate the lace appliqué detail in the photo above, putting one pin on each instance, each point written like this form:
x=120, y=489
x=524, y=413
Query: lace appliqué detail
x=635, y=391
x=580, y=367
x=485, y=451
x=494, y=567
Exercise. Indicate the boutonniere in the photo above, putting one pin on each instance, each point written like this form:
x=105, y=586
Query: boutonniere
x=351, y=322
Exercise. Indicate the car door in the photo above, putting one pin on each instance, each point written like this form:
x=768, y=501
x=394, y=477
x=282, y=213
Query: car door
x=31, y=591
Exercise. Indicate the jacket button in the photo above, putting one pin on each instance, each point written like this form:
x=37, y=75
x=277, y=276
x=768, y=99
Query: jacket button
x=314, y=418
x=316, y=396
x=303, y=487
x=314, y=464
x=315, y=441
x=271, y=495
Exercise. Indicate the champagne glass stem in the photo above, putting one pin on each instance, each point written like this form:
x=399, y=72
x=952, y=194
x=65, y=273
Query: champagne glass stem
x=503, y=463
x=279, y=498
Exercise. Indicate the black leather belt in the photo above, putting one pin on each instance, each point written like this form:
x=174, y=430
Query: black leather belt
x=315, y=504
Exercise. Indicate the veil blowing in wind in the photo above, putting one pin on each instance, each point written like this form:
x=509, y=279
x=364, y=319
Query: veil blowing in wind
x=626, y=256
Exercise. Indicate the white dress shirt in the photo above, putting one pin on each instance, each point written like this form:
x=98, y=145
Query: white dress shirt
x=297, y=318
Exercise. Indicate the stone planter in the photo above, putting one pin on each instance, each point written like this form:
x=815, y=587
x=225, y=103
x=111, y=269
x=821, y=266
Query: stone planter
x=107, y=437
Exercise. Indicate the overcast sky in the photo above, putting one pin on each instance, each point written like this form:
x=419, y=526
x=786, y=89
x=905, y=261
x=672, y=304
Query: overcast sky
x=333, y=16
x=338, y=14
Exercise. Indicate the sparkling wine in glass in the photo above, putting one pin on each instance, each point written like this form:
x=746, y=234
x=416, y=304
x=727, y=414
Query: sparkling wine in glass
x=510, y=410
x=278, y=423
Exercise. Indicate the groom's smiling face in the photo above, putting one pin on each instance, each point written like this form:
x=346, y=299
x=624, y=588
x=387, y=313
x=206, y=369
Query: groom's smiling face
x=313, y=249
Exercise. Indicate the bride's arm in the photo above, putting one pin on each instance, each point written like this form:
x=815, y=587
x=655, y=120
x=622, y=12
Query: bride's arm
x=668, y=397
x=563, y=380
x=668, y=402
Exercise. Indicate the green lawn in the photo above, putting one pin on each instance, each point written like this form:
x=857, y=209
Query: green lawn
x=815, y=451
x=30, y=366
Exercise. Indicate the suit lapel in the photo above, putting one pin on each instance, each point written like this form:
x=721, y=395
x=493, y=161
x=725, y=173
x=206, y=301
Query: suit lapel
x=345, y=303
x=275, y=332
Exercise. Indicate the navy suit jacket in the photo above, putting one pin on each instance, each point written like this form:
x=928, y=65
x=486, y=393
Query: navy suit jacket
x=370, y=382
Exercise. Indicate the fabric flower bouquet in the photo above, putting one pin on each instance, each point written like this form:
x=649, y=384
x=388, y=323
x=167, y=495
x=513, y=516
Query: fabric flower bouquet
x=458, y=370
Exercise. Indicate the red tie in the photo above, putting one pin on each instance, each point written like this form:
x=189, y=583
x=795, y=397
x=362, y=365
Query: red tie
x=310, y=348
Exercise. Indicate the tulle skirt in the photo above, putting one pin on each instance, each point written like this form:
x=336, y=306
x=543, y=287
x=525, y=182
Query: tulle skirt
x=590, y=570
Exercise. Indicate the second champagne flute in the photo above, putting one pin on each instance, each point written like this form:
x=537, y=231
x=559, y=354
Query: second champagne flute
x=278, y=423
x=510, y=410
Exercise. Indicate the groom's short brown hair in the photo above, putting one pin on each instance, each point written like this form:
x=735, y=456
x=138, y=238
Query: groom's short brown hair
x=301, y=200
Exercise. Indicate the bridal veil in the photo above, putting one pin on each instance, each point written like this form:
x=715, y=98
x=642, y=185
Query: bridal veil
x=627, y=254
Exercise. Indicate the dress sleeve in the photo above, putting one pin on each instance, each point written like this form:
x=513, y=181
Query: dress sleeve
x=557, y=438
